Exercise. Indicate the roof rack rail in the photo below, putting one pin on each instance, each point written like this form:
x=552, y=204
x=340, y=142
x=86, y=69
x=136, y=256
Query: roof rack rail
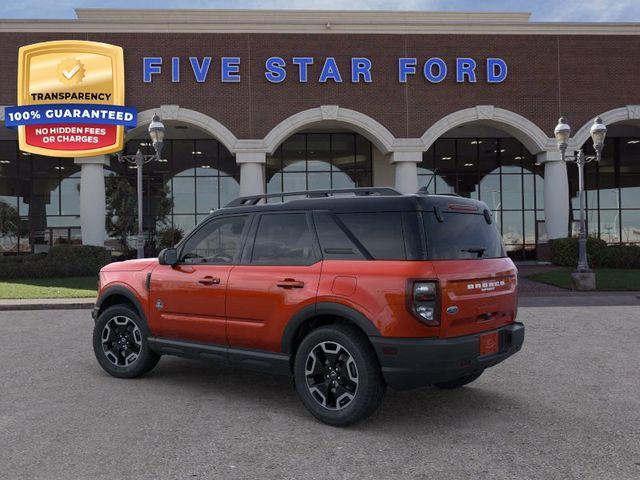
x=359, y=192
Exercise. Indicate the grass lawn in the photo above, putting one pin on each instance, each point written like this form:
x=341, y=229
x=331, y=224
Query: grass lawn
x=70, y=287
x=606, y=278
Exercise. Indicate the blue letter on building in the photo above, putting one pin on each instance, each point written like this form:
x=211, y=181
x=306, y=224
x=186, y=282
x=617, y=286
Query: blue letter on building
x=428, y=70
x=496, y=70
x=330, y=71
x=200, y=71
x=275, y=69
x=230, y=70
x=465, y=67
x=360, y=66
x=151, y=66
x=175, y=69
x=406, y=66
x=303, y=64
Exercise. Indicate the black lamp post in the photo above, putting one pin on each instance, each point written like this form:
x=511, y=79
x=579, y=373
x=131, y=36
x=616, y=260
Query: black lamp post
x=562, y=133
x=156, y=133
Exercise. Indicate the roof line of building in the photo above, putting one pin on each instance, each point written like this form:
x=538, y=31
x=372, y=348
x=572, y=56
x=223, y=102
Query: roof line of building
x=310, y=21
x=278, y=16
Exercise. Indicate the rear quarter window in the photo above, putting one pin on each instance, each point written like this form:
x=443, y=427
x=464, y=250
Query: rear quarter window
x=461, y=236
x=379, y=233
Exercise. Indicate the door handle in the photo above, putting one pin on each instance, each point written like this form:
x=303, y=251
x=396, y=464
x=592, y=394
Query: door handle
x=290, y=283
x=208, y=280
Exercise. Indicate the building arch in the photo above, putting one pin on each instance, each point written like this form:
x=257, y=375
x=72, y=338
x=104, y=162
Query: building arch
x=616, y=115
x=186, y=115
x=373, y=130
x=521, y=128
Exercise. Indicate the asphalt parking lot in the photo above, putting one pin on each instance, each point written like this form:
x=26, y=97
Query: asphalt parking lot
x=567, y=406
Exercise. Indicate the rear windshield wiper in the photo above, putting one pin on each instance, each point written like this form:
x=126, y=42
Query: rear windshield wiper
x=478, y=250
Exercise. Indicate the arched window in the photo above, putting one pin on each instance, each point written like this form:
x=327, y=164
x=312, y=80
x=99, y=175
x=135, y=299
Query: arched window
x=316, y=161
x=498, y=171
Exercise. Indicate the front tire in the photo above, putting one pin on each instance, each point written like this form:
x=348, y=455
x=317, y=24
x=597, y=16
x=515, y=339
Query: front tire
x=337, y=375
x=120, y=343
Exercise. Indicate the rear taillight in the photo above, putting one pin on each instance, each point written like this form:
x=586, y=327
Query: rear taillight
x=423, y=302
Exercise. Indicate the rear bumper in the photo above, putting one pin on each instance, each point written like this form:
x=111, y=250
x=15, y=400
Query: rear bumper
x=410, y=363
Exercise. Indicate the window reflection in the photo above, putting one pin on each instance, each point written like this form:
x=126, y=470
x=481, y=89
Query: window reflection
x=498, y=171
x=612, y=191
x=320, y=161
x=193, y=177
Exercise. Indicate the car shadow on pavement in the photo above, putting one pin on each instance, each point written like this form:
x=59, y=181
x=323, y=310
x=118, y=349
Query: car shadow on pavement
x=245, y=389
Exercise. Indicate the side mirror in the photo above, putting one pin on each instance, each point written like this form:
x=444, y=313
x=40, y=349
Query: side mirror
x=168, y=256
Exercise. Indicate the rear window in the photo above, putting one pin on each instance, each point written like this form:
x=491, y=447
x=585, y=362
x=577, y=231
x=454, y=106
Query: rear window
x=461, y=236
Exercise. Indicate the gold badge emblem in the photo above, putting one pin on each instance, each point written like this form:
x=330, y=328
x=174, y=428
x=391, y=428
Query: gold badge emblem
x=60, y=81
x=70, y=71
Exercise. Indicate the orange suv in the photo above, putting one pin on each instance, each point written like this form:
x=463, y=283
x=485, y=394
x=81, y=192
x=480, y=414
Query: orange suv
x=347, y=291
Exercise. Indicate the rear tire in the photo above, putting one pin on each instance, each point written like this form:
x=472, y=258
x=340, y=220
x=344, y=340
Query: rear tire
x=459, y=382
x=120, y=343
x=337, y=375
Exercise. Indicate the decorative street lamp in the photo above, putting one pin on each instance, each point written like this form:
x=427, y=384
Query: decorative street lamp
x=156, y=133
x=598, y=132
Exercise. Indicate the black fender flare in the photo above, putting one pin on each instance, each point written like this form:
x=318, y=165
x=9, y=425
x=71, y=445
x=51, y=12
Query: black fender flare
x=119, y=290
x=325, y=308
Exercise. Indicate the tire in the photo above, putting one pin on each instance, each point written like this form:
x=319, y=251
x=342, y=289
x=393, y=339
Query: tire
x=337, y=375
x=120, y=343
x=459, y=382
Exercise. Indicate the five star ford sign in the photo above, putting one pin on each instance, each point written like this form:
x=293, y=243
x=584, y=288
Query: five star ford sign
x=70, y=99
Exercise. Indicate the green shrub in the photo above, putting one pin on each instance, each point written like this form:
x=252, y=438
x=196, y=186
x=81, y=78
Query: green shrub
x=564, y=252
x=168, y=237
x=618, y=256
x=61, y=261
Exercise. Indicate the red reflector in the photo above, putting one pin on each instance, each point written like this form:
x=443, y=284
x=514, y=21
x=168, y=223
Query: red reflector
x=463, y=207
x=489, y=343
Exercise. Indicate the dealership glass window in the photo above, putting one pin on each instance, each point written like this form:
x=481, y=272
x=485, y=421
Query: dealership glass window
x=498, y=171
x=612, y=191
x=195, y=176
x=40, y=196
x=313, y=161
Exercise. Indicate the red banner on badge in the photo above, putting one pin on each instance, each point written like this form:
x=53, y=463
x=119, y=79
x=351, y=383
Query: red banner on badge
x=71, y=137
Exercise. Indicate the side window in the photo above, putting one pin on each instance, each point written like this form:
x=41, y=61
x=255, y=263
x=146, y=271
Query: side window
x=380, y=233
x=283, y=239
x=218, y=242
x=335, y=243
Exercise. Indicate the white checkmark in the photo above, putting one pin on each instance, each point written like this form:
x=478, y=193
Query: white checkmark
x=70, y=74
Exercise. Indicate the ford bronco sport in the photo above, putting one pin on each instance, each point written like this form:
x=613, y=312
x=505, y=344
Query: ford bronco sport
x=347, y=294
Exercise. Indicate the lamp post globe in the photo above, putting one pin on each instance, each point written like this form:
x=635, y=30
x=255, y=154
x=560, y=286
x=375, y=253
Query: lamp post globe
x=156, y=133
x=598, y=133
x=562, y=133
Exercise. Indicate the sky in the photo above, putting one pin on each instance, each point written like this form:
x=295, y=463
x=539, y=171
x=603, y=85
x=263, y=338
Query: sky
x=542, y=10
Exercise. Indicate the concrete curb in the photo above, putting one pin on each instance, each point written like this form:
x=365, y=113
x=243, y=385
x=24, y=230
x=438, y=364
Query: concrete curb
x=47, y=304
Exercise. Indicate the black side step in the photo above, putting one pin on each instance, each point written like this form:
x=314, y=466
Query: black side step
x=260, y=360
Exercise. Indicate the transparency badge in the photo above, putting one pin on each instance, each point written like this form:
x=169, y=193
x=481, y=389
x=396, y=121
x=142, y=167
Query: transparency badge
x=70, y=99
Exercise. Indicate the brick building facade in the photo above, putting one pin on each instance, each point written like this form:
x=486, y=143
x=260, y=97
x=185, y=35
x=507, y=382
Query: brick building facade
x=263, y=127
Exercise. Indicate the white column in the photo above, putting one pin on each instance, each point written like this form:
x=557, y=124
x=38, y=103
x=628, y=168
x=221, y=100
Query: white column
x=406, y=167
x=556, y=194
x=93, y=209
x=251, y=172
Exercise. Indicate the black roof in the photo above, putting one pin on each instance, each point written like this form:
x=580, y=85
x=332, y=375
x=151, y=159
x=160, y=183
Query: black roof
x=390, y=201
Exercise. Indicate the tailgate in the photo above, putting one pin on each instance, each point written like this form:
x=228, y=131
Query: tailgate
x=476, y=295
